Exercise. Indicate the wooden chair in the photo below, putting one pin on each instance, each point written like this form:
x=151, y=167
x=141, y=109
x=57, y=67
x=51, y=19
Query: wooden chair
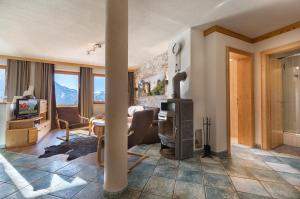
x=137, y=131
x=69, y=118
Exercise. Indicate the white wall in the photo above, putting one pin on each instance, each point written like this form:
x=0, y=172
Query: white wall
x=192, y=62
x=198, y=76
x=215, y=80
x=184, y=39
x=215, y=92
x=204, y=60
x=210, y=60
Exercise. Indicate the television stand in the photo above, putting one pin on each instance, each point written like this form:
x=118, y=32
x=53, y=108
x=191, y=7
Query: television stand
x=26, y=132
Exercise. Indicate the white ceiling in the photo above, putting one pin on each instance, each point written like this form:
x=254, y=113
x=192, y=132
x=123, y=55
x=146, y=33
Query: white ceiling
x=65, y=29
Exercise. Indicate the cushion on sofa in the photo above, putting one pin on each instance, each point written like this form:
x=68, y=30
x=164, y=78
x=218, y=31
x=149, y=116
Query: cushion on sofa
x=133, y=109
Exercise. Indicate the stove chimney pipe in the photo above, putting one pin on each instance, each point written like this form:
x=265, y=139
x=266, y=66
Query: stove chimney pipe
x=176, y=84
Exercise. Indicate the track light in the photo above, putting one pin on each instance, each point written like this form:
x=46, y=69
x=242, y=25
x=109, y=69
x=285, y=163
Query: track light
x=94, y=47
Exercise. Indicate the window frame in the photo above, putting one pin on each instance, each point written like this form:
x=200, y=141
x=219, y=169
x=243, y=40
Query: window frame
x=97, y=75
x=62, y=72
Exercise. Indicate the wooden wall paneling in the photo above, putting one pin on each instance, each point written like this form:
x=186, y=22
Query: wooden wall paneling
x=276, y=115
x=265, y=103
x=266, y=133
x=51, y=61
x=245, y=38
x=228, y=98
x=233, y=101
x=277, y=138
x=277, y=32
x=227, y=32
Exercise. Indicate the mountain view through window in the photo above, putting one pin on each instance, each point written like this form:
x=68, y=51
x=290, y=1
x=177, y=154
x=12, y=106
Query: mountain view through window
x=99, y=89
x=66, y=89
x=2, y=83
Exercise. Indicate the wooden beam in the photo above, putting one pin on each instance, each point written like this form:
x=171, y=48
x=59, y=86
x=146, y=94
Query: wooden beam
x=282, y=49
x=227, y=32
x=130, y=69
x=239, y=36
x=210, y=30
x=51, y=61
x=66, y=72
x=277, y=32
x=99, y=75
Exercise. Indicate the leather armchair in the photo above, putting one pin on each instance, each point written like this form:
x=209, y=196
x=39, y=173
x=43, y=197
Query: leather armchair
x=69, y=118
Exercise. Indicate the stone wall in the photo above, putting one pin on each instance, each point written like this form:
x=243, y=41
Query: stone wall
x=156, y=66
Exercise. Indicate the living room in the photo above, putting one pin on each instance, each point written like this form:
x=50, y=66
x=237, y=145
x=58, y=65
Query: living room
x=149, y=99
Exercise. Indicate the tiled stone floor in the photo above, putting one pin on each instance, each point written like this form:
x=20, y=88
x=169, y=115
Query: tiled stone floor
x=248, y=174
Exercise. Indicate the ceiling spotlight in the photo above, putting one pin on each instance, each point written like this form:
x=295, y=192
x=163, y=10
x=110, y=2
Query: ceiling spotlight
x=94, y=47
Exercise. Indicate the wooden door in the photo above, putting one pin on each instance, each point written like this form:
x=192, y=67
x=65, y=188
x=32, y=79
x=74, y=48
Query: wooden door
x=233, y=102
x=245, y=101
x=276, y=103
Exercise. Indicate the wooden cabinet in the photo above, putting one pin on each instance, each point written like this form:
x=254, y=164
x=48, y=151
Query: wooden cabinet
x=32, y=136
x=43, y=106
x=28, y=131
x=16, y=137
x=43, y=128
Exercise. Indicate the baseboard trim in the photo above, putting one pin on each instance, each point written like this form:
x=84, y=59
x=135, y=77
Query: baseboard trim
x=221, y=153
x=113, y=195
x=257, y=146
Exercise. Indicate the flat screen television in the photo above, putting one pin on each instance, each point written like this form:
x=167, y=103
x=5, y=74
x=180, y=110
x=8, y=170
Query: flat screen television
x=27, y=108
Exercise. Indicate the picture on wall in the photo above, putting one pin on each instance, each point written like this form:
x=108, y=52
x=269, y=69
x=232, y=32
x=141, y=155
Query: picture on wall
x=152, y=86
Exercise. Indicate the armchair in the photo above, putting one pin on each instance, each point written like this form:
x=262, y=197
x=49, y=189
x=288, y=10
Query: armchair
x=137, y=131
x=68, y=118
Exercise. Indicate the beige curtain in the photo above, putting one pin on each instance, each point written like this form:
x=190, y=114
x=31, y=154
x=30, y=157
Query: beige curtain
x=18, y=78
x=44, y=88
x=131, y=88
x=86, y=92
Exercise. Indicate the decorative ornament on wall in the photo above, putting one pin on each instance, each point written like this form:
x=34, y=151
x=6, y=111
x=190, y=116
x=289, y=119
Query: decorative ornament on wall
x=176, y=49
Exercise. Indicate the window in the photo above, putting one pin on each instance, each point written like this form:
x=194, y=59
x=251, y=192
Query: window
x=99, y=89
x=66, y=88
x=2, y=82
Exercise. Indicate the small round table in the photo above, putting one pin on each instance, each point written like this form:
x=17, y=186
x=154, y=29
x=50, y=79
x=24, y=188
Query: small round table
x=99, y=127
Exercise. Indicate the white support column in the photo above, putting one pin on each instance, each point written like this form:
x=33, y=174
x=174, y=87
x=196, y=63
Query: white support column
x=116, y=99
